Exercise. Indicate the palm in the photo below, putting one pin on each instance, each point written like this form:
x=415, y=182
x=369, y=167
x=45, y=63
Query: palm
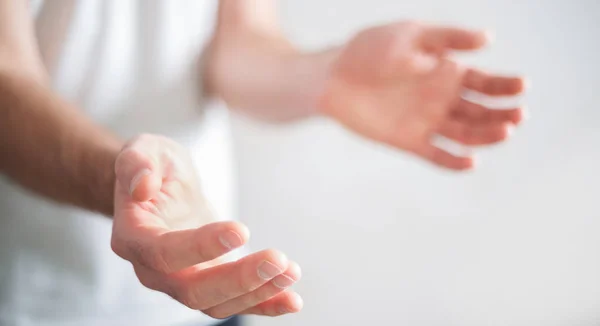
x=164, y=227
x=170, y=203
x=178, y=203
x=394, y=84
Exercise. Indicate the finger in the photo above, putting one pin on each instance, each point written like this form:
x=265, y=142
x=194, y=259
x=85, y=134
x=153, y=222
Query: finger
x=262, y=294
x=175, y=250
x=155, y=281
x=485, y=83
x=137, y=169
x=470, y=134
x=284, y=303
x=477, y=113
x=443, y=158
x=440, y=39
x=206, y=288
x=440, y=89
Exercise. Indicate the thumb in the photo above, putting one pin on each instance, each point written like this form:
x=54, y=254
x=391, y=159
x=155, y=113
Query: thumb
x=138, y=173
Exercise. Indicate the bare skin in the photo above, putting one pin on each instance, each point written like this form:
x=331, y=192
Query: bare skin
x=164, y=227
x=394, y=84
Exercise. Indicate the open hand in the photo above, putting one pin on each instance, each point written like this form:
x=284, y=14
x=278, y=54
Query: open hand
x=395, y=84
x=163, y=226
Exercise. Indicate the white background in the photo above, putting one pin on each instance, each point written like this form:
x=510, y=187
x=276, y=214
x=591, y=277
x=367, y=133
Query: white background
x=384, y=238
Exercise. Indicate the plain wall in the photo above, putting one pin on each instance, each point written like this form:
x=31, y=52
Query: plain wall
x=386, y=238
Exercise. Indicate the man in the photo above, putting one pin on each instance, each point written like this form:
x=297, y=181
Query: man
x=81, y=80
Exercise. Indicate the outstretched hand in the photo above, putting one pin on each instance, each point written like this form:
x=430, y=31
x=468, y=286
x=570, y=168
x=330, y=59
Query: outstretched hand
x=163, y=226
x=396, y=84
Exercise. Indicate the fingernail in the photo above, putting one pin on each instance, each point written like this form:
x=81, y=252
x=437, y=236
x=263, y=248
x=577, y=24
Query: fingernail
x=283, y=281
x=284, y=310
x=136, y=180
x=231, y=240
x=268, y=270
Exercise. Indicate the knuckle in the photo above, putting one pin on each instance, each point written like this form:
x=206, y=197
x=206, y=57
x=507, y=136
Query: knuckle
x=155, y=282
x=247, y=284
x=116, y=247
x=170, y=291
x=148, y=256
x=136, y=252
x=188, y=298
x=203, y=252
x=167, y=286
x=382, y=38
x=408, y=29
x=191, y=299
x=256, y=297
x=157, y=259
x=143, y=279
x=392, y=47
x=146, y=283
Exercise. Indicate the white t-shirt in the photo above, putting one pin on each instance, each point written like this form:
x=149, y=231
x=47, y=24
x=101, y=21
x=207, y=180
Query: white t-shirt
x=132, y=66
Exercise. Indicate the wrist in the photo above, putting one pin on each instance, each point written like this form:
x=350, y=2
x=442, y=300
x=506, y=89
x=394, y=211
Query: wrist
x=57, y=152
x=98, y=169
x=265, y=76
x=313, y=74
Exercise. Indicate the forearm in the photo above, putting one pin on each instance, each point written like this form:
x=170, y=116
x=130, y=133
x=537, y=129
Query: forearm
x=49, y=147
x=253, y=68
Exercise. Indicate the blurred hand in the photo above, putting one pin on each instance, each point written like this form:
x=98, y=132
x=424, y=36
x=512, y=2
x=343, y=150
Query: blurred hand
x=163, y=227
x=395, y=84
